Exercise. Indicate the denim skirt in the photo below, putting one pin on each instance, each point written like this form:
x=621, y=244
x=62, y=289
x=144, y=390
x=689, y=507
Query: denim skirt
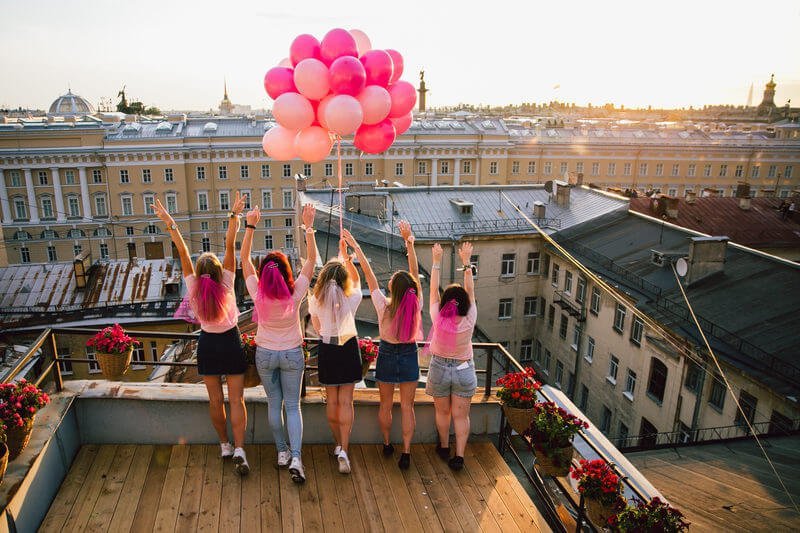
x=397, y=363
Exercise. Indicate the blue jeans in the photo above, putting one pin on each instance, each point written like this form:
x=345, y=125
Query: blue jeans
x=281, y=374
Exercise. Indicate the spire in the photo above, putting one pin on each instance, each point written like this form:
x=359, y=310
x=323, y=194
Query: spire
x=225, y=81
x=750, y=96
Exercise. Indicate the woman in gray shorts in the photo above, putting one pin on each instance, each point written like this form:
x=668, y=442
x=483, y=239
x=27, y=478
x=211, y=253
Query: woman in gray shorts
x=451, y=375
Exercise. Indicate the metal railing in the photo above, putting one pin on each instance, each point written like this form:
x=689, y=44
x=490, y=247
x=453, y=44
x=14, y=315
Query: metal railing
x=478, y=226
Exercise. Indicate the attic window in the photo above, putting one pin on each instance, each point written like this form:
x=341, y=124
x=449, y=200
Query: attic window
x=210, y=127
x=164, y=127
x=464, y=207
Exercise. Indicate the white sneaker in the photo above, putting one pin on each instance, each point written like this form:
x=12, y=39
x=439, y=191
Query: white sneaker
x=284, y=458
x=344, y=462
x=240, y=460
x=337, y=450
x=296, y=470
x=226, y=450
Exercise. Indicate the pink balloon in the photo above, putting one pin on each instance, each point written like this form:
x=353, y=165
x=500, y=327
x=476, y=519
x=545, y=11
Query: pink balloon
x=375, y=138
x=337, y=43
x=278, y=143
x=376, y=103
x=347, y=76
x=293, y=111
x=313, y=144
x=303, y=47
x=311, y=79
x=285, y=62
x=397, y=62
x=363, y=43
x=378, y=66
x=279, y=80
x=401, y=124
x=323, y=105
x=343, y=114
x=404, y=98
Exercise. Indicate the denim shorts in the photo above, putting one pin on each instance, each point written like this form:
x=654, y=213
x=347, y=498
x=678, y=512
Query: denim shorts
x=445, y=378
x=397, y=363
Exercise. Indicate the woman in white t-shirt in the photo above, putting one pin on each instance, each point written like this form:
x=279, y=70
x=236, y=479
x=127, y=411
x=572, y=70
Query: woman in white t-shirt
x=332, y=305
x=279, y=354
x=211, y=301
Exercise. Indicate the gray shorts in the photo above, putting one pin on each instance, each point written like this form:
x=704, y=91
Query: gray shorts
x=445, y=378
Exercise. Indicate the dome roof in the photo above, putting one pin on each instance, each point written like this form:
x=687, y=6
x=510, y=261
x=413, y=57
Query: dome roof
x=70, y=105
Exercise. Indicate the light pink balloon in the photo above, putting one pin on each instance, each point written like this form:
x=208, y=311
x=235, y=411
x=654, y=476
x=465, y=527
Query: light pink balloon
x=375, y=102
x=279, y=80
x=378, y=66
x=363, y=43
x=278, y=143
x=293, y=111
x=323, y=105
x=343, y=114
x=313, y=144
x=337, y=43
x=347, y=76
x=397, y=62
x=375, y=138
x=404, y=98
x=303, y=47
x=401, y=124
x=311, y=79
x=286, y=62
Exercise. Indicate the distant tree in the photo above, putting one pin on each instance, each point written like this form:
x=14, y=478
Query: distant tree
x=152, y=111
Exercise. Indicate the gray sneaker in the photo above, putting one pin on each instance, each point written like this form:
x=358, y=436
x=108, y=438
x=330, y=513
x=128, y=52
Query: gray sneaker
x=344, y=462
x=296, y=470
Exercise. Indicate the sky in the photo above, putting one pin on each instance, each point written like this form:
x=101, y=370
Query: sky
x=175, y=54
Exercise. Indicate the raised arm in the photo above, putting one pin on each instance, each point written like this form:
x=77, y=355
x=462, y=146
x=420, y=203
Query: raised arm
x=175, y=235
x=408, y=237
x=436, y=269
x=311, y=241
x=251, y=221
x=352, y=271
x=372, y=281
x=230, y=236
x=465, y=253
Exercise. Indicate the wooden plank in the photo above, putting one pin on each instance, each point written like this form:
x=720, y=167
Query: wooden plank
x=251, y=492
x=167, y=513
x=446, y=478
x=423, y=505
x=488, y=491
x=145, y=516
x=366, y=496
x=309, y=499
x=319, y=456
x=354, y=517
x=103, y=510
x=291, y=516
x=399, y=490
x=70, y=487
x=387, y=505
x=208, y=519
x=125, y=511
x=90, y=491
x=439, y=497
x=270, y=489
x=192, y=491
x=231, y=506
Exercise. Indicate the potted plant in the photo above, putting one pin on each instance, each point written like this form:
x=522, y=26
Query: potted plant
x=19, y=403
x=601, y=489
x=655, y=516
x=369, y=352
x=113, y=350
x=551, y=432
x=3, y=451
x=518, y=395
x=251, y=377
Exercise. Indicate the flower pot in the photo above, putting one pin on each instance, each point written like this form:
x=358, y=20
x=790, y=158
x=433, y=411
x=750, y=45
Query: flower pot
x=17, y=437
x=114, y=365
x=598, y=512
x=518, y=419
x=3, y=460
x=251, y=377
x=364, y=368
x=554, y=462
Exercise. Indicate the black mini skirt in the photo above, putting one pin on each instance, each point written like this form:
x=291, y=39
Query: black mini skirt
x=339, y=365
x=220, y=354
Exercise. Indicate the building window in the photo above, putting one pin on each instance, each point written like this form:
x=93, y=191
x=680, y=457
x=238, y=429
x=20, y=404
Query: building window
x=576, y=336
x=748, y=404
x=52, y=255
x=547, y=357
x=69, y=177
x=288, y=199
x=97, y=176
x=643, y=169
x=288, y=222
x=129, y=231
x=307, y=170
x=771, y=170
x=24, y=255
x=368, y=168
x=100, y=207
x=20, y=210
x=637, y=329
x=589, y=355
x=551, y=317
x=580, y=293
x=493, y=167
x=622, y=436
x=43, y=177
x=64, y=366
x=348, y=169
x=559, y=373
x=76, y=249
x=787, y=172
x=619, y=318
x=533, y=262
x=562, y=327
x=264, y=171
x=204, y=225
x=537, y=352
x=657, y=382
x=169, y=176
x=474, y=260
x=717, y=396
x=691, y=170
x=707, y=171
x=466, y=167
x=15, y=179
x=47, y=207
x=526, y=350
x=202, y=201
x=73, y=204
x=568, y=282
x=612, y=169
x=137, y=358
x=149, y=199
x=268, y=242
x=508, y=265
x=579, y=167
x=399, y=169
x=504, y=311
x=554, y=275
x=626, y=169
x=605, y=419
x=531, y=167
x=152, y=229
x=739, y=171
x=224, y=200
x=328, y=169
x=289, y=240
x=630, y=384
x=244, y=172
x=676, y=168
x=123, y=176
x=223, y=172
x=200, y=173
x=267, y=223
x=723, y=171
x=205, y=242
x=659, y=169
x=595, y=169
x=672, y=192
x=548, y=168
x=613, y=366
x=422, y=167
x=266, y=199
x=583, y=399
x=529, y=309
x=146, y=177
x=94, y=366
x=286, y=170
x=103, y=250
x=172, y=203
x=515, y=167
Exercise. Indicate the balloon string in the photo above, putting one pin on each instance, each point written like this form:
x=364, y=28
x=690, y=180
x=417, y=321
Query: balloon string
x=339, y=171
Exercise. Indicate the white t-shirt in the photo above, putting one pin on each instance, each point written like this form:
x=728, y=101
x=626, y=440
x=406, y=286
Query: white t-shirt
x=347, y=323
x=230, y=317
x=279, y=330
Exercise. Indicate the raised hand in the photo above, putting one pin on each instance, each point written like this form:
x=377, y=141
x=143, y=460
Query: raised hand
x=465, y=253
x=349, y=239
x=405, y=230
x=253, y=216
x=308, y=215
x=343, y=249
x=162, y=213
x=436, y=253
x=238, y=204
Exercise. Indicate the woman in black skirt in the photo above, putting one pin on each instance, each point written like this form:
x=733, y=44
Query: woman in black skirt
x=211, y=302
x=333, y=305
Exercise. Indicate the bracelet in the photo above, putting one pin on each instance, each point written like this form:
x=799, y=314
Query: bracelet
x=436, y=267
x=249, y=226
x=310, y=231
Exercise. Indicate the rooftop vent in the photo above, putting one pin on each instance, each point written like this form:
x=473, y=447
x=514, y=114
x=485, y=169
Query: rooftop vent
x=464, y=207
x=539, y=210
x=706, y=257
x=210, y=127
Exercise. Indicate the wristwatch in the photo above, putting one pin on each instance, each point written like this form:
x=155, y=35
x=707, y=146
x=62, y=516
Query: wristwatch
x=249, y=226
x=172, y=227
x=231, y=214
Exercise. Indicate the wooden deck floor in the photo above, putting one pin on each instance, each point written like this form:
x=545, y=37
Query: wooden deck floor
x=189, y=488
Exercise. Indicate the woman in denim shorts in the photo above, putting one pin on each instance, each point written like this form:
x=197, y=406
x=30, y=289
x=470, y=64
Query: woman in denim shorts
x=451, y=375
x=279, y=354
x=400, y=326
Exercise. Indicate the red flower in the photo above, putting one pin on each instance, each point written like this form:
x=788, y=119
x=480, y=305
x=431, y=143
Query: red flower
x=518, y=389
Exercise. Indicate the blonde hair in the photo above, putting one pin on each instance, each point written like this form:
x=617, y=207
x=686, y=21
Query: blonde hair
x=209, y=263
x=333, y=271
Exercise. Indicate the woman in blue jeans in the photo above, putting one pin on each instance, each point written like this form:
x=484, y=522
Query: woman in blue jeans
x=279, y=354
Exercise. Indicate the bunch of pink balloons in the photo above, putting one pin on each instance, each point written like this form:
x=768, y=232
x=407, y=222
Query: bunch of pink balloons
x=336, y=87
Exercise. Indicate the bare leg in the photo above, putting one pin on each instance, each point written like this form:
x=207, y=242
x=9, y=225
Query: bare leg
x=442, y=409
x=385, y=410
x=216, y=406
x=332, y=411
x=238, y=410
x=461, y=422
x=407, y=393
x=345, y=414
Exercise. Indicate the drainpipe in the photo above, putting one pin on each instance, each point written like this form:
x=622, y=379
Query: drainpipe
x=699, y=399
x=453, y=260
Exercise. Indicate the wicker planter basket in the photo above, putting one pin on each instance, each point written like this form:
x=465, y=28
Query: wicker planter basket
x=598, y=512
x=364, y=368
x=518, y=419
x=251, y=377
x=3, y=460
x=17, y=437
x=114, y=365
x=556, y=463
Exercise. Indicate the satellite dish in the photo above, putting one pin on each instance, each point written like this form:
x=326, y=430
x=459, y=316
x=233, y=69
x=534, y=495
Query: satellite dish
x=548, y=186
x=682, y=267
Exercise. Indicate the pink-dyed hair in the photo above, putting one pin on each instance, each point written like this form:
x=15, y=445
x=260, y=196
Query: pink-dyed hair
x=445, y=327
x=271, y=286
x=406, y=319
x=207, y=299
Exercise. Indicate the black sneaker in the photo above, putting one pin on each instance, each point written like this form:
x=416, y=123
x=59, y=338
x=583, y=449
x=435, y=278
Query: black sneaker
x=456, y=463
x=405, y=461
x=443, y=453
x=388, y=450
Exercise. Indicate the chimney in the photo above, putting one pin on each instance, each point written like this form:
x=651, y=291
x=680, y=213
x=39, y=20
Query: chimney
x=706, y=257
x=744, y=203
x=539, y=210
x=691, y=196
x=672, y=206
x=579, y=181
x=562, y=193
x=742, y=190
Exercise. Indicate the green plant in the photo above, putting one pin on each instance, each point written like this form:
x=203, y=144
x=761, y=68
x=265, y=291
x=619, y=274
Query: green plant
x=19, y=402
x=655, y=516
x=553, y=427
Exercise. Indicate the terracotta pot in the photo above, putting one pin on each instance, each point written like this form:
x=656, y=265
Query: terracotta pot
x=598, y=512
x=114, y=365
x=251, y=377
x=17, y=437
x=518, y=419
x=555, y=462
x=3, y=460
